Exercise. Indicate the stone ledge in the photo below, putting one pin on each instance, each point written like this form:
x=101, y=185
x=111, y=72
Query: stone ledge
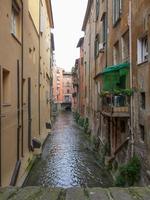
x=76, y=193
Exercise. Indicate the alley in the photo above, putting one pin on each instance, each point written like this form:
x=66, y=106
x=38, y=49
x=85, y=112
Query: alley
x=66, y=160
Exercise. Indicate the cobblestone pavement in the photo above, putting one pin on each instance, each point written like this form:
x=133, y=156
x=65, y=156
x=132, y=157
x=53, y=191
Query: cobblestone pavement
x=44, y=193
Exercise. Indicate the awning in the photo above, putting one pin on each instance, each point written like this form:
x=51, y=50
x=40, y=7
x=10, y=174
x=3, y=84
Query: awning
x=115, y=68
x=115, y=76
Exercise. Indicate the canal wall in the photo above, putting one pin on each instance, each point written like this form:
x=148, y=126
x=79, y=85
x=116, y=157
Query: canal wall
x=41, y=193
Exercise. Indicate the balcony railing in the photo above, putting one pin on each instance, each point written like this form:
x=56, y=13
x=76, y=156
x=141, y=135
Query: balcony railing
x=116, y=105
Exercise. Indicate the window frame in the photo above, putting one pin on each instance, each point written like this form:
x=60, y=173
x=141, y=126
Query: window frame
x=117, y=11
x=16, y=20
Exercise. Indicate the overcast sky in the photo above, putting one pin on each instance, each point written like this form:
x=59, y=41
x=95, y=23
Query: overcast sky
x=68, y=18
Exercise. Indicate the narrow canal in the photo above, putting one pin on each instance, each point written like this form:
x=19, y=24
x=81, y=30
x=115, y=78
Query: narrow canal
x=66, y=161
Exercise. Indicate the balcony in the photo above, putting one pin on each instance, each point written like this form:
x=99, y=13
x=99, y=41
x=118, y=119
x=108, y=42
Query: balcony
x=116, y=105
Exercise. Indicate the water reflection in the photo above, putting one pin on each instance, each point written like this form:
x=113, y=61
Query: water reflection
x=66, y=161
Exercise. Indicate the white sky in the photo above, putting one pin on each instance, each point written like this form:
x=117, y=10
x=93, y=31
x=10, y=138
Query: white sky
x=68, y=18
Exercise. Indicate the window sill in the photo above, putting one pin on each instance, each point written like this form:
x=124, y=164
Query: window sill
x=16, y=38
x=143, y=62
x=6, y=104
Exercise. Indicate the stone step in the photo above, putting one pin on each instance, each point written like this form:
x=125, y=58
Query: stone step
x=76, y=193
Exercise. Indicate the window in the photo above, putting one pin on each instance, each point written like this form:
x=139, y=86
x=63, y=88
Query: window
x=16, y=20
x=142, y=132
x=68, y=91
x=66, y=98
x=142, y=50
x=143, y=100
x=125, y=47
x=97, y=8
x=116, y=54
x=6, y=86
x=104, y=21
x=42, y=20
x=96, y=46
x=117, y=9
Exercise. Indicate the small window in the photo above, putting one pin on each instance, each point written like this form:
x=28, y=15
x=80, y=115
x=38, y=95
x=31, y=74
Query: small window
x=68, y=91
x=143, y=99
x=97, y=8
x=16, y=20
x=42, y=20
x=6, y=86
x=142, y=50
x=117, y=9
x=142, y=132
x=116, y=54
x=125, y=47
x=96, y=46
x=104, y=22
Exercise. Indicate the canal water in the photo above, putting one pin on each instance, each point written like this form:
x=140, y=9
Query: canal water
x=66, y=161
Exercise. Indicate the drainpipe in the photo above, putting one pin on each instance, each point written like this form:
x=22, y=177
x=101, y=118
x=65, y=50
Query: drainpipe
x=0, y=123
x=106, y=32
x=39, y=71
x=18, y=110
x=131, y=78
x=22, y=133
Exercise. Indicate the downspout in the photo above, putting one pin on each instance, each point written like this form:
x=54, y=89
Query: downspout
x=39, y=71
x=0, y=126
x=131, y=78
x=18, y=110
x=22, y=133
x=107, y=31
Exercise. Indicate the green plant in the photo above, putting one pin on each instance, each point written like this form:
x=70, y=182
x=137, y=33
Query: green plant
x=86, y=125
x=117, y=91
x=81, y=121
x=127, y=91
x=129, y=173
x=104, y=93
x=76, y=116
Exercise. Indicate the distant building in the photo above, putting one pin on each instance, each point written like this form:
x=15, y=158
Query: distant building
x=67, y=89
x=58, y=85
x=62, y=87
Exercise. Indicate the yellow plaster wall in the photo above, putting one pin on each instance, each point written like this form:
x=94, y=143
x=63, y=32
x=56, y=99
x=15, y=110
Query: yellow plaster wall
x=33, y=6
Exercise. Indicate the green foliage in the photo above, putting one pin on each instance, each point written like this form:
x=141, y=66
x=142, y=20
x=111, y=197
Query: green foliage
x=86, y=125
x=118, y=91
x=81, y=121
x=120, y=181
x=76, y=116
x=129, y=173
x=104, y=93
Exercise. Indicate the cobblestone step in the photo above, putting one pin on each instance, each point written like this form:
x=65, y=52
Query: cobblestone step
x=43, y=193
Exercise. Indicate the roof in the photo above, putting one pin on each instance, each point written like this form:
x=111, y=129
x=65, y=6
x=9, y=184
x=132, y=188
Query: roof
x=87, y=14
x=115, y=68
x=81, y=40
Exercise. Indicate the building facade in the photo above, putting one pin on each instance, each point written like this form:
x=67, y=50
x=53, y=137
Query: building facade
x=24, y=83
x=67, y=90
x=116, y=74
x=58, y=85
